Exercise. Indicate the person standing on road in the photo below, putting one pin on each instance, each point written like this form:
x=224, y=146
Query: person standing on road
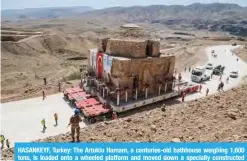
x=219, y=87
x=56, y=118
x=227, y=80
x=200, y=88
x=183, y=96
x=44, y=96
x=207, y=91
x=114, y=116
x=59, y=86
x=104, y=118
x=2, y=138
x=185, y=69
x=175, y=72
x=212, y=75
x=220, y=77
x=75, y=127
x=7, y=143
x=189, y=69
x=222, y=87
x=43, y=124
x=45, y=81
x=179, y=77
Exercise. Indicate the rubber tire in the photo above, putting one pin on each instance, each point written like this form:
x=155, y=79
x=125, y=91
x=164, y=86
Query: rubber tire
x=92, y=120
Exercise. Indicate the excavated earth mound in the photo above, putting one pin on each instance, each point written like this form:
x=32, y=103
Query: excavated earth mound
x=220, y=117
x=25, y=63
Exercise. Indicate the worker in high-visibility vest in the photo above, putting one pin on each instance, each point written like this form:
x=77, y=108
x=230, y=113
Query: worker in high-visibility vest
x=43, y=124
x=56, y=118
x=2, y=138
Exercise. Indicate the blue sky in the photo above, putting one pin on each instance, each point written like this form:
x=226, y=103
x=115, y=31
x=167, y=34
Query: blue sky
x=19, y=4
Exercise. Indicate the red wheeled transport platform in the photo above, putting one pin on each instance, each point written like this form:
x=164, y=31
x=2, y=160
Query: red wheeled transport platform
x=96, y=113
x=86, y=103
x=72, y=90
x=75, y=97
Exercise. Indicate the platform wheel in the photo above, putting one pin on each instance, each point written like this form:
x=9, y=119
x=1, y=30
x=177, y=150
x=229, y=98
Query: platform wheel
x=92, y=120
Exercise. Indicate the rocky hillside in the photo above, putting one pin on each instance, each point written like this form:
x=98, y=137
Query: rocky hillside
x=56, y=56
x=229, y=18
x=43, y=13
x=221, y=117
x=214, y=17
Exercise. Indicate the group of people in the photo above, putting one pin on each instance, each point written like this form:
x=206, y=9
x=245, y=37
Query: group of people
x=214, y=55
x=74, y=119
x=45, y=83
x=185, y=69
x=43, y=122
x=74, y=123
x=2, y=141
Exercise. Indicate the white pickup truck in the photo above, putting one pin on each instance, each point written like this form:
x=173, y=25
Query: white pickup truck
x=199, y=75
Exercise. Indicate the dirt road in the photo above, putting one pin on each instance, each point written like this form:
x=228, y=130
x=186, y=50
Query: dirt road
x=227, y=59
x=20, y=120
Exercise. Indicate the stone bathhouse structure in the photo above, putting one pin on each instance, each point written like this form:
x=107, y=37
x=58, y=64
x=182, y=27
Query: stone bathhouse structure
x=124, y=70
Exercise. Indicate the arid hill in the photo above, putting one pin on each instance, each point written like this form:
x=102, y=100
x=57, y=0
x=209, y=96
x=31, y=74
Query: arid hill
x=229, y=18
x=43, y=13
x=25, y=62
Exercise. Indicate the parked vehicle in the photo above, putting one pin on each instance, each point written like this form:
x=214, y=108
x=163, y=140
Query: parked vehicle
x=199, y=75
x=209, y=66
x=218, y=70
x=189, y=88
x=234, y=74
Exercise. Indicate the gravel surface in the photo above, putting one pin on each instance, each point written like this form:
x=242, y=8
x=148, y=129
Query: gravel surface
x=217, y=118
